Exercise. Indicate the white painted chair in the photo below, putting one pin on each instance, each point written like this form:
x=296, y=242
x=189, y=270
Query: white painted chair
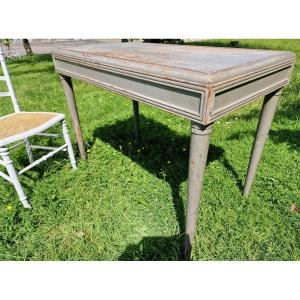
x=19, y=126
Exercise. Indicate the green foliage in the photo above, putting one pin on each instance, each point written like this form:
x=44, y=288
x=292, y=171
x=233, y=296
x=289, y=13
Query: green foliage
x=128, y=201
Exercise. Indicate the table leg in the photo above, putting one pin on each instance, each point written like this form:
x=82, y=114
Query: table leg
x=136, y=120
x=70, y=97
x=197, y=163
x=264, y=125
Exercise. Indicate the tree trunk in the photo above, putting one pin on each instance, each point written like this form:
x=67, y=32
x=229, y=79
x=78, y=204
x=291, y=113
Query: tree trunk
x=27, y=47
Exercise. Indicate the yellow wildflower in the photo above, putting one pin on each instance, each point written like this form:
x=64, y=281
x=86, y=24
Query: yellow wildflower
x=9, y=207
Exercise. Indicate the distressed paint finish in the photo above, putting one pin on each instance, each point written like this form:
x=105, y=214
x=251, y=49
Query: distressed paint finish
x=264, y=125
x=69, y=94
x=201, y=84
x=197, y=164
x=198, y=83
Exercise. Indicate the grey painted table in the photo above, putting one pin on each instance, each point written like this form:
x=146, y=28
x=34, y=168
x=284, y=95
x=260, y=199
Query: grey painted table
x=201, y=84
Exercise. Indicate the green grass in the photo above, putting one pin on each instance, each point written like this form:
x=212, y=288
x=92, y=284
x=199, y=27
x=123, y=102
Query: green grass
x=128, y=203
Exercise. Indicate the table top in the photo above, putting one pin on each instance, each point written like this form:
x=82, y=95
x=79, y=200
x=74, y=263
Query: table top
x=206, y=66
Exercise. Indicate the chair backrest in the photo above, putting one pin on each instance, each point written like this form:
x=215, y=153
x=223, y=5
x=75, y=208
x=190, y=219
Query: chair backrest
x=10, y=93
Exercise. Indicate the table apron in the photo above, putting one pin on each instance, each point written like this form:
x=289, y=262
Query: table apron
x=202, y=106
x=231, y=98
x=186, y=103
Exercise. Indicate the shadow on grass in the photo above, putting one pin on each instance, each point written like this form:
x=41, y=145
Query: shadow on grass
x=155, y=248
x=289, y=136
x=49, y=69
x=165, y=154
x=292, y=137
x=56, y=163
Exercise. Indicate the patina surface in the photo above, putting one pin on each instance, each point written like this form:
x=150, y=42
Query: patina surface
x=198, y=83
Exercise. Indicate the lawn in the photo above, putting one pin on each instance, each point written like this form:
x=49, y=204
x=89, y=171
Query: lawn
x=127, y=201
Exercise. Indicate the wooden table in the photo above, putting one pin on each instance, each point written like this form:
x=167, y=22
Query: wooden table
x=201, y=84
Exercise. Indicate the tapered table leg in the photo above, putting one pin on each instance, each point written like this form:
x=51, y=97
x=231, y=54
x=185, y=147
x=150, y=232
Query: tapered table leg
x=136, y=117
x=70, y=97
x=264, y=125
x=197, y=163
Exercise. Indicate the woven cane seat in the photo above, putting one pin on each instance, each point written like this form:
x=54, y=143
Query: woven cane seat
x=21, y=125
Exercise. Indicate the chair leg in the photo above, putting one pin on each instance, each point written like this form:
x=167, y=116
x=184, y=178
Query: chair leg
x=13, y=176
x=29, y=151
x=69, y=144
